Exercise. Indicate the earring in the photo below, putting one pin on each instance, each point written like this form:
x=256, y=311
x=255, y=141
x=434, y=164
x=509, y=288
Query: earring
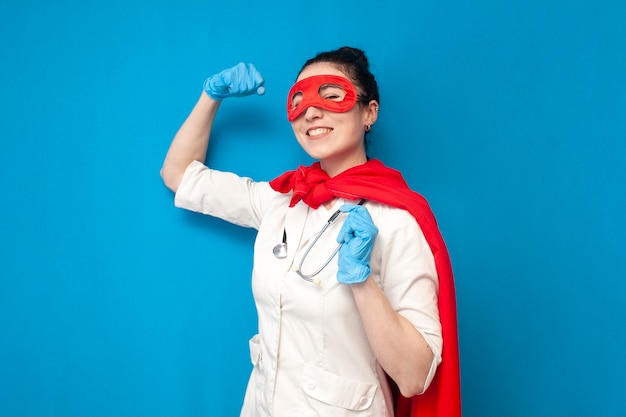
x=368, y=128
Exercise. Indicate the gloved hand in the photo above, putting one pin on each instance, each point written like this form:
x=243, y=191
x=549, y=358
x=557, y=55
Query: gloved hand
x=238, y=81
x=357, y=236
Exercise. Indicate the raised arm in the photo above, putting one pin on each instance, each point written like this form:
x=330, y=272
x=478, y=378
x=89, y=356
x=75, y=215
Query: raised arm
x=192, y=139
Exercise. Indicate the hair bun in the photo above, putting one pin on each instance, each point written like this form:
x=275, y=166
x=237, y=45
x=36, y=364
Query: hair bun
x=358, y=54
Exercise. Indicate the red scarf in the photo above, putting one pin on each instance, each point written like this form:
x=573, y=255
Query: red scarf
x=374, y=181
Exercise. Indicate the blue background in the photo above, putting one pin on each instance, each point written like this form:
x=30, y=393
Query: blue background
x=510, y=117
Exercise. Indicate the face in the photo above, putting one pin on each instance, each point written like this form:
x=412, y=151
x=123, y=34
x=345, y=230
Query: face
x=326, y=120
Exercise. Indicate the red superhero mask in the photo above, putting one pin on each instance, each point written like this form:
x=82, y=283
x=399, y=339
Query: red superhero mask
x=328, y=92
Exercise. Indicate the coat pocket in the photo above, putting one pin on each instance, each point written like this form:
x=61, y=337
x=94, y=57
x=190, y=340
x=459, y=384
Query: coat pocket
x=326, y=392
x=256, y=352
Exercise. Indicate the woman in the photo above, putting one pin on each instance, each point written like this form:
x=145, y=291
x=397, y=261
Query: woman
x=338, y=333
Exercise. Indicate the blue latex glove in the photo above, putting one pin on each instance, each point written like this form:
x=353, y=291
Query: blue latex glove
x=357, y=236
x=238, y=81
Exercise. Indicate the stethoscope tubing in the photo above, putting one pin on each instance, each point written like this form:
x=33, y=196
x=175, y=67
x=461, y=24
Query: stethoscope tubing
x=309, y=277
x=280, y=250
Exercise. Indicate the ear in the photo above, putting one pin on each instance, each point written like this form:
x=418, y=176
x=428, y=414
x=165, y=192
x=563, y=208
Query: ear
x=371, y=112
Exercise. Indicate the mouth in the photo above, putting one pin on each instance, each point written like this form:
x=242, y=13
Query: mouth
x=318, y=131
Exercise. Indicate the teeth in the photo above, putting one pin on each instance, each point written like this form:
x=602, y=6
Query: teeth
x=318, y=131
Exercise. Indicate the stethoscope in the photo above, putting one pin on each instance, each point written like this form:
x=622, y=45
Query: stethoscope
x=280, y=250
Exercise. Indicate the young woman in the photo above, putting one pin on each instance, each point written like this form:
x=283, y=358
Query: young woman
x=351, y=279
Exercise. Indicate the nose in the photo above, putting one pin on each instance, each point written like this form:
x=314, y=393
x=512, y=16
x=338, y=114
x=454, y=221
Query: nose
x=312, y=113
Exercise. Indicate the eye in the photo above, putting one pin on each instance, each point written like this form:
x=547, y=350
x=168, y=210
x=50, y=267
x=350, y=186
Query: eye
x=296, y=99
x=332, y=92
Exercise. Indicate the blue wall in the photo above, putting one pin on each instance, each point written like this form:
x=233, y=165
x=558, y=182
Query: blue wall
x=510, y=117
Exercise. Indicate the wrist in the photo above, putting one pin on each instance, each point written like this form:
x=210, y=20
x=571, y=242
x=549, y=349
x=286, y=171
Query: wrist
x=208, y=103
x=356, y=274
x=208, y=95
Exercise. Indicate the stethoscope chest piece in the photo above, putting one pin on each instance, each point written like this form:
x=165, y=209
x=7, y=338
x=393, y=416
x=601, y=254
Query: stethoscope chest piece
x=280, y=250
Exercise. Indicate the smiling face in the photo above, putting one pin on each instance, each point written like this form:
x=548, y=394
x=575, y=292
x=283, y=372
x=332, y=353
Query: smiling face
x=327, y=126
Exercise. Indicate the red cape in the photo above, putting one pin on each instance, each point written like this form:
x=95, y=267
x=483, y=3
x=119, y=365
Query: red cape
x=374, y=181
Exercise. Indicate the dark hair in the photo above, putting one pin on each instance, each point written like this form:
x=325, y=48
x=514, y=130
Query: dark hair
x=354, y=63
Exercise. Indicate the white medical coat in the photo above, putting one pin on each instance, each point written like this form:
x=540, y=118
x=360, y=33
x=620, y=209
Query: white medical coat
x=311, y=356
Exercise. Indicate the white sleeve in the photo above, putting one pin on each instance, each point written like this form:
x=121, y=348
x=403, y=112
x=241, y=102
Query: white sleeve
x=225, y=195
